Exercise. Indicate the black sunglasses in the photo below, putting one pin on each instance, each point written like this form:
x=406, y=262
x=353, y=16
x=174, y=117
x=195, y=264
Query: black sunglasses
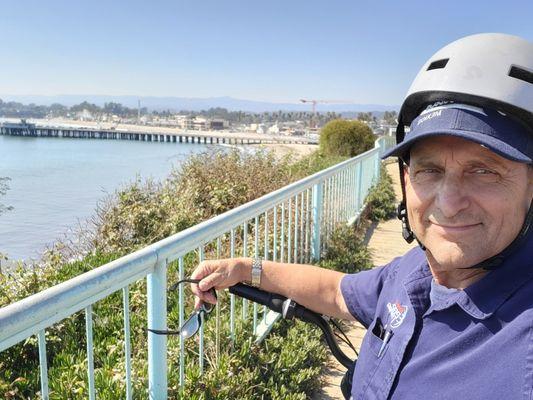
x=192, y=325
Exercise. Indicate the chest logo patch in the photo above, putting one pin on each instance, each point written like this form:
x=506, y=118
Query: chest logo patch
x=397, y=314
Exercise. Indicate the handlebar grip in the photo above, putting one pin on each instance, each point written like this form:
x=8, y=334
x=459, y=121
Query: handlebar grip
x=305, y=314
x=276, y=303
x=271, y=300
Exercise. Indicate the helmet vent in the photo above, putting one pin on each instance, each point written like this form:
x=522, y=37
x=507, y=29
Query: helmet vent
x=439, y=64
x=521, y=73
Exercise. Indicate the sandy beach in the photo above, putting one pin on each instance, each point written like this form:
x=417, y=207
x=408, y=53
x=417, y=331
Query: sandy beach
x=298, y=150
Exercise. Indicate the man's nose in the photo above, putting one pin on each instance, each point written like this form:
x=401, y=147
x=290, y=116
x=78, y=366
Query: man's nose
x=451, y=197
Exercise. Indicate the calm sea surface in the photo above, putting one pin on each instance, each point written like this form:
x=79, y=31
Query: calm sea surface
x=57, y=182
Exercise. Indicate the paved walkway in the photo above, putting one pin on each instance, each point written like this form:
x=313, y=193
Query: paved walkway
x=385, y=242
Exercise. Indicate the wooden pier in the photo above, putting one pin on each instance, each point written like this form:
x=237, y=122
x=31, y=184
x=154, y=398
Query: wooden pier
x=33, y=130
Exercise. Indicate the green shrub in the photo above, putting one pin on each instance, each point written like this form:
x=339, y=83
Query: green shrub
x=381, y=201
x=205, y=185
x=346, y=138
x=313, y=163
x=286, y=365
x=138, y=215
x=346, y=251
x=215, y=182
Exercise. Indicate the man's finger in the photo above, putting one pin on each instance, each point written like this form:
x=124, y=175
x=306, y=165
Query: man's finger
x=211, y=281
x=202, y=270
x=197, y=303
x=210, y=297
x=199, y=296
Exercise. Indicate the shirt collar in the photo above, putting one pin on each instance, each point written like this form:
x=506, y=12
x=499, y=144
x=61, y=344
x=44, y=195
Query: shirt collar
x=481, y=299
x=441, y=297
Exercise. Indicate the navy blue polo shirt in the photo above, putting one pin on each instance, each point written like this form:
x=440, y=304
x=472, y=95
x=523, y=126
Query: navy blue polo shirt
x=472, y=344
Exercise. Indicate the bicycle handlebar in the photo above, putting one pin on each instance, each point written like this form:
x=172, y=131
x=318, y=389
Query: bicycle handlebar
x=288, y=309
x=271, y=300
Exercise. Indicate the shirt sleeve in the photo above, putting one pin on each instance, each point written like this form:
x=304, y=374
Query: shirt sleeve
x=361, y=292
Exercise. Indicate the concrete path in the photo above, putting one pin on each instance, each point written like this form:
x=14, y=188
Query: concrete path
x=385, y=242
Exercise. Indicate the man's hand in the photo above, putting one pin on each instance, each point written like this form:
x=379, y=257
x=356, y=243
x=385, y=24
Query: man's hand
x=218, y=274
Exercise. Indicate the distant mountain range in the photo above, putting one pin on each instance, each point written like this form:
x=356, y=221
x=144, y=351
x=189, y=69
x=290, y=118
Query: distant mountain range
x=195, y=104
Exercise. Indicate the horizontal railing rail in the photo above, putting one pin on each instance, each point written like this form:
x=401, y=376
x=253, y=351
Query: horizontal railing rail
x=291, y=224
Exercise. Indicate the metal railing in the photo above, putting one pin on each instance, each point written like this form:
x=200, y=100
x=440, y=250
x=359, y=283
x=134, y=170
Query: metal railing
x=290, y=225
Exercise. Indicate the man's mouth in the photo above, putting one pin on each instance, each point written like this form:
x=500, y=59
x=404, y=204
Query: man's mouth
x=455, y=228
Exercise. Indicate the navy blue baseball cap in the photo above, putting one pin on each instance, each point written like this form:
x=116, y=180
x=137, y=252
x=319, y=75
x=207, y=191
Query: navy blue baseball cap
x=493, y=129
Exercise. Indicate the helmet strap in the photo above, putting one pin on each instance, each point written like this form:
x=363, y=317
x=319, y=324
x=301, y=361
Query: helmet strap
x=407, y=233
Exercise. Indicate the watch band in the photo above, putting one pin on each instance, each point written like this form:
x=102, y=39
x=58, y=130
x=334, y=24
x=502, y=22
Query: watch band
x=257, y=268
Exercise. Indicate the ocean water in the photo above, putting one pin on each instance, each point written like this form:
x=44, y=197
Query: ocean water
x=57, y=183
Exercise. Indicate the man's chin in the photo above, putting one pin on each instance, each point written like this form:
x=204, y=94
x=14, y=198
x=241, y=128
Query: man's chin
x=450, y=256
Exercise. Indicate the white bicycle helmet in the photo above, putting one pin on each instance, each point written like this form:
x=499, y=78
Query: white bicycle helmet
x=490, y=70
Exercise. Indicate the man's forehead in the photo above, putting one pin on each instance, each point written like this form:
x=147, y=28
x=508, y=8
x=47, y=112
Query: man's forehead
x=440, y=147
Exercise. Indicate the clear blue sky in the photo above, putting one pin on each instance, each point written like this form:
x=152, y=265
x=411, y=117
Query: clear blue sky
x=275, y=50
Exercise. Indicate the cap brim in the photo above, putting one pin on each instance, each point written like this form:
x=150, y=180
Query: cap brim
x=497, y=146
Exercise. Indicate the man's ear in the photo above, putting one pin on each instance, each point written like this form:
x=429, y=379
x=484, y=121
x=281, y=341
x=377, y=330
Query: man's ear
x=406, y=174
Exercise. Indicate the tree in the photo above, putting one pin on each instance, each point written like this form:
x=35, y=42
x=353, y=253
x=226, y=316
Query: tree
x=114, y=108
x=365, y=116
x=92, y=108
x=57, y=110
x=390, y=117
x=346, y=138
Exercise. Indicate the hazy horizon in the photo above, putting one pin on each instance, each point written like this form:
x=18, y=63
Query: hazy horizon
x=277, y=52
x=195, y=103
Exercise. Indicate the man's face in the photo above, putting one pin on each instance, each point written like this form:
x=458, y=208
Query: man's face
x=464, y=202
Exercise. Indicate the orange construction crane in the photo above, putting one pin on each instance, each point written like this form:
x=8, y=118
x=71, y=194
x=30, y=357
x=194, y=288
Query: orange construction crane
x=315, y=102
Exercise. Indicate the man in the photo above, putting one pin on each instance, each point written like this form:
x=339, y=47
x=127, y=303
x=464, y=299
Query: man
x=453, y=318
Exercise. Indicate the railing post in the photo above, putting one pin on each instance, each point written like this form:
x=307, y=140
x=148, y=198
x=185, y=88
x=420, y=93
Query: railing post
x=43, y=365
x=359, y=187
x=317, y=220
x=157, y=344
x=377, y=167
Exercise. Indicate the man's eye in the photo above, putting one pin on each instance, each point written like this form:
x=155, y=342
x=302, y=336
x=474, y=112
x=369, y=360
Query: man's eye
x=428, y=171
x=482, y=171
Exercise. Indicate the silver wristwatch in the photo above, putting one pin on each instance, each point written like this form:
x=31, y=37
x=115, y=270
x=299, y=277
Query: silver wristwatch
x=257, y=268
